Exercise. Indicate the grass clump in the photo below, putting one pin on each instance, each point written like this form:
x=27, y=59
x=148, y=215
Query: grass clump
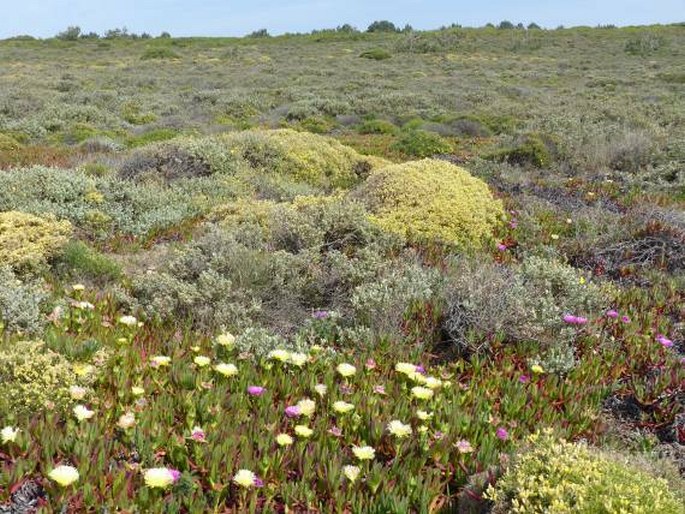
x=81, y=261
x=420, y=143
x=29, y=241
x=432, y=201
x=159, y=53
x=558, y=476
x=377, y=54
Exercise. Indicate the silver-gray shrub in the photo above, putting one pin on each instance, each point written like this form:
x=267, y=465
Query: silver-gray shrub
x=21, y=302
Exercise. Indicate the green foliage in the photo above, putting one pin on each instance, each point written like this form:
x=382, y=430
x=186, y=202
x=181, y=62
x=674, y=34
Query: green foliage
x=83, y=262
x=70, y=34
x=382, y=26
x=376, y=127
x=377, y=54
x=32, y=377
x=432, y=201
x=159, y=52
x=420, y=143
x=554, y=475
x=27, y=241
x=531, y=150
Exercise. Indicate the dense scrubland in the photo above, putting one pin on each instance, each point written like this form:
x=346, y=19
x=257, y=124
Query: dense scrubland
x=344, y=272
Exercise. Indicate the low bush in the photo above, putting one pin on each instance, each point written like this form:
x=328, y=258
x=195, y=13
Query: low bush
x=80, y=261
x=526, y=302
x=33, y=378
x=376, y=127
x=28, y=241
x=420, y=143
x=535, y=150
x=556, y=476
x=432, y=201
x=377, y=54
x=21, y=301
x=159, y=53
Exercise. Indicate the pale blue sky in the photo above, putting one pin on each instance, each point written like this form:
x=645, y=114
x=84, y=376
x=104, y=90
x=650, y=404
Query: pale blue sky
x=44, y=18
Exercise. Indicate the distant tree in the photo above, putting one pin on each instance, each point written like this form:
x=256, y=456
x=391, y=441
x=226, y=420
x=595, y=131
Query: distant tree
x=520, y=26
x=382, y=26
x=259, y=33
x=145, y=35
x=90, y=35
x=560, y=27
x=407, y=29
x=489, y=26
x=70, y=34
x=533, y=26
x=117, y=33
x=165, y=35
x=347, y=29
x=505, y=25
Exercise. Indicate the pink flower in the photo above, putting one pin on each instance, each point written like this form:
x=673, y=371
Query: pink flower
x=664, y=341
x=345, y=389
x=175, y=474
x=501, y=247
x=379, y=389
x=335, y=432
x=198, y=435
x=612, y=314
x=293, y=411
x=464, y=446
x=574, y=320
x=370, y=364
x=420, y=369
x=524, y=379
x=255, y=390
x=625, y=319
x=502, y=434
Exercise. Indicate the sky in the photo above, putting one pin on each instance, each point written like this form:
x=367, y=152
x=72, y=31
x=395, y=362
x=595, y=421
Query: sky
x=45, y=18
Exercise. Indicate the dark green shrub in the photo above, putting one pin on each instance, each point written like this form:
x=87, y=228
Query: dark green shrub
x=382, y=26
x=377, y=54
x=419, y=143
x=376, y=127
x=78, y=260
x=535, y=150
x=159, y=53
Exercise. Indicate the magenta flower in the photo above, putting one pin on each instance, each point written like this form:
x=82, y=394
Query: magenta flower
x=370, y=364
x=664, y=341
x=501, y=247
x=612, y=314
x=293, y=411
x=420, y=369
x=320, y=314
x=524, y=379
x=574, y=320
x=175, y=474
x=502, y=434
x=513, y=223
x=335, y=431
x=625, y=319
x=255, y=390
x=198, y=435
x=258, y=482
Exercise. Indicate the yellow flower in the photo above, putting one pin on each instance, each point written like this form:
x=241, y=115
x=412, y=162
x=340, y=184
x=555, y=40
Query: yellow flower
x=279, y=355
x=536, y=368
x=399, y=429
x=137, y=391
x=433, y=383
x=159, y=477
x=364, y=452
x=245, y=478
x=227, y=370
x=307, y=407
x=405, y=368
x=126, y=421
x=226, y=340
x=64, y=475
x=342, y=407
x=581, y=280
x=201, y=361
x=299, y=359
x=284, y=440
x=346, y=370
x=555, y=236
x=422, y=393
x=194, y=349
x=82, y=370
x=78, y=287
x=351, y=472
x=303, y=431
x=9, y=434
x=82, y=412
x=320, y=389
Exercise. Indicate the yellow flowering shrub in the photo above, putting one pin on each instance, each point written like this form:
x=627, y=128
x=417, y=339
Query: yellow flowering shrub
x=432, y=200
x=555, y=476
x=28, y=240
x=32, y=377
x=316, y=160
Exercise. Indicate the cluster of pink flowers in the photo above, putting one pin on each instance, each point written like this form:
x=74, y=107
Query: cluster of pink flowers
x=575, y=320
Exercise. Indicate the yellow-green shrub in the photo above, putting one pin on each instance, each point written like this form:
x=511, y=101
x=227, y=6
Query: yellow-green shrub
x=560, y=477
x=432, y=200
x=306, y=157
x=33, y=377
x=28, y=240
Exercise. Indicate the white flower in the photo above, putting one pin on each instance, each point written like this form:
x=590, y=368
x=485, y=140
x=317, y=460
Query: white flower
x=64, y=475
x=320, y=389
x=423, y=415
x=351, y=472
x=303, y=431
x=299, y=359
x=284, y=440
x=126, y=421
x=82, y=412
x=342, y=407
x=405, y=368
x=307, y=407
x=399, y=429
x=160, y=477
x=227, y=370
x=245, y=478
x=9, y=434
x=346, y=370
x=129, y=321
x=433, y=383
x=422, y=393
x=137, y=391
x=78, y=287
x=279, y=355
x=364, y=452
x=226, y=340
x=201, y=361
x=159, y=361
x=77, y=392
